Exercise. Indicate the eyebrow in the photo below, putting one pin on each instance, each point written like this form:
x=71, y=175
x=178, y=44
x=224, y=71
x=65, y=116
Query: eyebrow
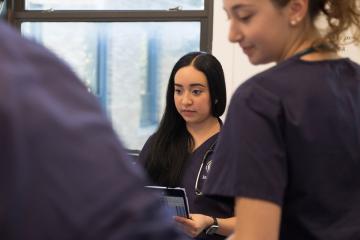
x=238, y=6
x=191, y=85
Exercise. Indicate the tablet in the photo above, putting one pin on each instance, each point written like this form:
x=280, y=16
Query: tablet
x=174, y=198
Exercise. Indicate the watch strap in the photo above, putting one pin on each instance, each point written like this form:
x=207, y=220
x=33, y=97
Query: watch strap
x=215, y=221
x=212, y=229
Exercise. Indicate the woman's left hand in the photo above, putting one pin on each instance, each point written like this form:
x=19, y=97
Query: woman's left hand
x=195, y=225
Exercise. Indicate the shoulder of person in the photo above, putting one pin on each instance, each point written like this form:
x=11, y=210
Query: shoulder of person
x=257, y=97
x=270, y=82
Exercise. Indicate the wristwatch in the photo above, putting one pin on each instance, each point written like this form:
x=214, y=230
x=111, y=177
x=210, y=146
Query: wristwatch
x=212, y=229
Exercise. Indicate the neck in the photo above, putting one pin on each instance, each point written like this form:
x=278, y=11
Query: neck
x=300, y=41
x=203, y=131
x=297, y=48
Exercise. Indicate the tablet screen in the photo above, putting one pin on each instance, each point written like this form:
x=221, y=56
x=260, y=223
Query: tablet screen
x=176, y=205
x=174, y=198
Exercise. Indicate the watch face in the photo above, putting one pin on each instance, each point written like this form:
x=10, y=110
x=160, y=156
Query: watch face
x=212, y=229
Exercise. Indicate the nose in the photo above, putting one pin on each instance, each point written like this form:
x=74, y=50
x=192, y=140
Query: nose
x=186, y=99
x=235, y=34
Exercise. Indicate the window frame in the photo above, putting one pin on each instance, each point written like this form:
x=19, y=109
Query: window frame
x=18, y=14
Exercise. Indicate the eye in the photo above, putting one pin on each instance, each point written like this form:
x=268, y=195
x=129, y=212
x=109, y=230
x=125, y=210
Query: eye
x=197, y=91
x=243, y=16
x=244, y=19
x=177, y=91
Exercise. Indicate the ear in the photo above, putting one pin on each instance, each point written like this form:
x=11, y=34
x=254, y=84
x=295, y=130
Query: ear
x=297, y=11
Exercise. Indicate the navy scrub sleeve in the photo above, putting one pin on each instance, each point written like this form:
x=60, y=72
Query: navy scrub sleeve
x=255, y=114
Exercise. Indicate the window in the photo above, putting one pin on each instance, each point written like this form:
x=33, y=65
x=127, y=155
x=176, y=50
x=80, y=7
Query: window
x=123, y=50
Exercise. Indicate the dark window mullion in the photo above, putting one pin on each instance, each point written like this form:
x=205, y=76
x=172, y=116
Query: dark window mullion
x=18, y=5
x=207, y=27
x=110, y=15
x=204, y=34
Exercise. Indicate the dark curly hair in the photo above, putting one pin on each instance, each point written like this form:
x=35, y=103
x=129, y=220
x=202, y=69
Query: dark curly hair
x=341, y=15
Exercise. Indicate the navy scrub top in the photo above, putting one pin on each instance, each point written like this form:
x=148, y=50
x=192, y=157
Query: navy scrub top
x=217, y=206
x=63, y=172
x=292, y=137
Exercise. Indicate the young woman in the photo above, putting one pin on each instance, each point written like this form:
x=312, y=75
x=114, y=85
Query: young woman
x=290, y=148
x=179, y=153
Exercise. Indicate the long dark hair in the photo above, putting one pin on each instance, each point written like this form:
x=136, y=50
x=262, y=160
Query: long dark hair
x=171, y=144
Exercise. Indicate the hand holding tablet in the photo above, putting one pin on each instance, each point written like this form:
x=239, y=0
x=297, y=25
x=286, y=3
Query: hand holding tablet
x=174, y=198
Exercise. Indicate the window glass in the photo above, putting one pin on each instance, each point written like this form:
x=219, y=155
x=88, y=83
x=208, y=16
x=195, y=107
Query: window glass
x=2, y=9
x=113, y=4
x=127, y=65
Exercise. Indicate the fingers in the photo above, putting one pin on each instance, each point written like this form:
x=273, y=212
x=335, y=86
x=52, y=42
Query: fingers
x=181, y=220
x=192, y=227
x=190, y=231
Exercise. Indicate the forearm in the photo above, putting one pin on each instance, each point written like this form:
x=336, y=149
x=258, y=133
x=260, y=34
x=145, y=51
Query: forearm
x=257, y=219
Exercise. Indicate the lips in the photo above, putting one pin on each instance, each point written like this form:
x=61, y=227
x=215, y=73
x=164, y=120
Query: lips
x=187, y=112
x=247, y=50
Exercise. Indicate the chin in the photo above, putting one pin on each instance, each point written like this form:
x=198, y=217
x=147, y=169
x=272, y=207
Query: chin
x=258, y=61
x=254, y=61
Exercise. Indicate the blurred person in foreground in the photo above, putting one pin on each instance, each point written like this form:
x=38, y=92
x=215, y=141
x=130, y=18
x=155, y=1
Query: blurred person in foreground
x=63, y=172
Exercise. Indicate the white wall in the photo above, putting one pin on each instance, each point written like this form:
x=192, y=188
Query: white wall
x=236, y=66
